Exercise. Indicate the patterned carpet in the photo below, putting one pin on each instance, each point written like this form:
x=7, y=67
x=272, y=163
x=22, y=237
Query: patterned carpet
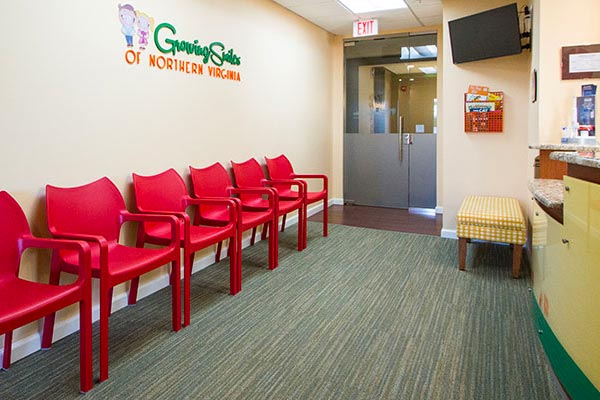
x=362, y=314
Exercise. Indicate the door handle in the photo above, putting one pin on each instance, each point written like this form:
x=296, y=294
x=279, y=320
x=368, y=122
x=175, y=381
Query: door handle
x=408, y=138
x=400, y=146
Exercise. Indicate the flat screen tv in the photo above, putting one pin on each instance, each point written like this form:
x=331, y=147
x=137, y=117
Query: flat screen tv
x=492, y=33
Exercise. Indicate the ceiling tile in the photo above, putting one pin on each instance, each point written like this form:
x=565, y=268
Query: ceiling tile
x=331, y=16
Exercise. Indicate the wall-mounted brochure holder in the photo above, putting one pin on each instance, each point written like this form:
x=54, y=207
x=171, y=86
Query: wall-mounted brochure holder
x=484, y=115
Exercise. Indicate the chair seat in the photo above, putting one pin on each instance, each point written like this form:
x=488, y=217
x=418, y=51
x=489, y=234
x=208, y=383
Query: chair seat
x=495, y=219
x=311, y=197
x=250, y=219
x=24, y=301
x=124, y=262
x=200, y=235
x=285, y=206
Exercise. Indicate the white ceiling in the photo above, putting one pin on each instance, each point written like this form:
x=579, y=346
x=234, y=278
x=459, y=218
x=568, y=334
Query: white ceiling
x=331, y=16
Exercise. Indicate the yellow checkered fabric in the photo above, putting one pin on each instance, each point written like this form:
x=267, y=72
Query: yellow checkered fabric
x=495, y=219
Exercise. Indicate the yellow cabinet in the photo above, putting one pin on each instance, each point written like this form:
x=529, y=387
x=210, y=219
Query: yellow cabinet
x=594, y=223
x=576, y=213
x=566, y=266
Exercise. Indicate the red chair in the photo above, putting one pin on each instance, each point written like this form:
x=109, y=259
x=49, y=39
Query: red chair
x=166, y=193
x=95, y=213
x=249, y=174
x=281, y=168
x=26, y=301
x=214, y=181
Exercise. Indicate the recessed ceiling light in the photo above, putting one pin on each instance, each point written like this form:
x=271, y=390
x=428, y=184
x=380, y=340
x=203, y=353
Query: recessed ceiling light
x=399, y=80
x=365, y=6
x=412, y=79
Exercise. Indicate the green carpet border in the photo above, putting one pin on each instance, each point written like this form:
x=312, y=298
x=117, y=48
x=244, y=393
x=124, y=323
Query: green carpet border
x=574, y=381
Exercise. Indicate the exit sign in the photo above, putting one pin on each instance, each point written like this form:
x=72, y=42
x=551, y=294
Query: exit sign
x=366, y=27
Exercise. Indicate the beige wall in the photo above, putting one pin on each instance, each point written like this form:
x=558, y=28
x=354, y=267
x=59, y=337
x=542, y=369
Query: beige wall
x=72, y=110
x=338, y=96
x=490, y=164
x=555, y=27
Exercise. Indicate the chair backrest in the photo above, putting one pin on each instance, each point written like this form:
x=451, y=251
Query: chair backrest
x=13, y=225
x=248, y=174
x=211, y=181
x=92, y=209
x=279, y=167
x=160, y=192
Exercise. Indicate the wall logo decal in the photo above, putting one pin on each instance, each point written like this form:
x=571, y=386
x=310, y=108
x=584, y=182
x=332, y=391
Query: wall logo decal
x=138, y=28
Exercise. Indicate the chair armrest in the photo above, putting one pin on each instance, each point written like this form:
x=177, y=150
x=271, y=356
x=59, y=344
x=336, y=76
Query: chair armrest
x=97, y=239
x=168, y=217
x=292, y=182
x=81, y=247
x=223, y=201
x=314, y=176
x=183, y=216
x=272, y=195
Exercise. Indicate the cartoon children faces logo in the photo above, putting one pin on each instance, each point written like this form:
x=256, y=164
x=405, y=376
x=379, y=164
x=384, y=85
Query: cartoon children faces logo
x=137, y=23
x=128, y=18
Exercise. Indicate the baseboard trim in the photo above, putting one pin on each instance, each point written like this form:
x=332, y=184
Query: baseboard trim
x=449, y=234
x=439, y=210
x=25, y=346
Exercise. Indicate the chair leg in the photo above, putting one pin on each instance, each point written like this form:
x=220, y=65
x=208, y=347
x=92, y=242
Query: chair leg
x=176, y=293
x=110, y=297
x=85, y=344
x=516, y=267
x=218, y=254
x=133, y=291
x=234, y=274
x=105, y=301
x=238, y=256
x=135, y=282
x=305, y=231
x=54, y=279
x=275, y=233
x=283, y=222
x=462, y=253
x=253, y=237
x=264, y=232
x=325, y=216
x=272, y=244
x=188, y=261
x=300, y=228
x=7, y=349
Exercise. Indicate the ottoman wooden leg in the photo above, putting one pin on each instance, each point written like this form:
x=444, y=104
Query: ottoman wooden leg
x=516, y=268
x=462, y=253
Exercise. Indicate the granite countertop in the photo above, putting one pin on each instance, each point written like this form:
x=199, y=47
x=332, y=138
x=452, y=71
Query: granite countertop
x=548, y=192
x=574, y=158
x=565, y=147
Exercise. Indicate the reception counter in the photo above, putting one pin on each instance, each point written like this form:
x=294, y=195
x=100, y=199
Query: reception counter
x=565, y=249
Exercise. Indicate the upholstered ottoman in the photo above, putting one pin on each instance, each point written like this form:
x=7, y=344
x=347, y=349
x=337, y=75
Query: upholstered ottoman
x=494, y=219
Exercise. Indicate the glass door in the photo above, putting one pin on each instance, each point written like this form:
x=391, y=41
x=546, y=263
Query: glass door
x=390, y=98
